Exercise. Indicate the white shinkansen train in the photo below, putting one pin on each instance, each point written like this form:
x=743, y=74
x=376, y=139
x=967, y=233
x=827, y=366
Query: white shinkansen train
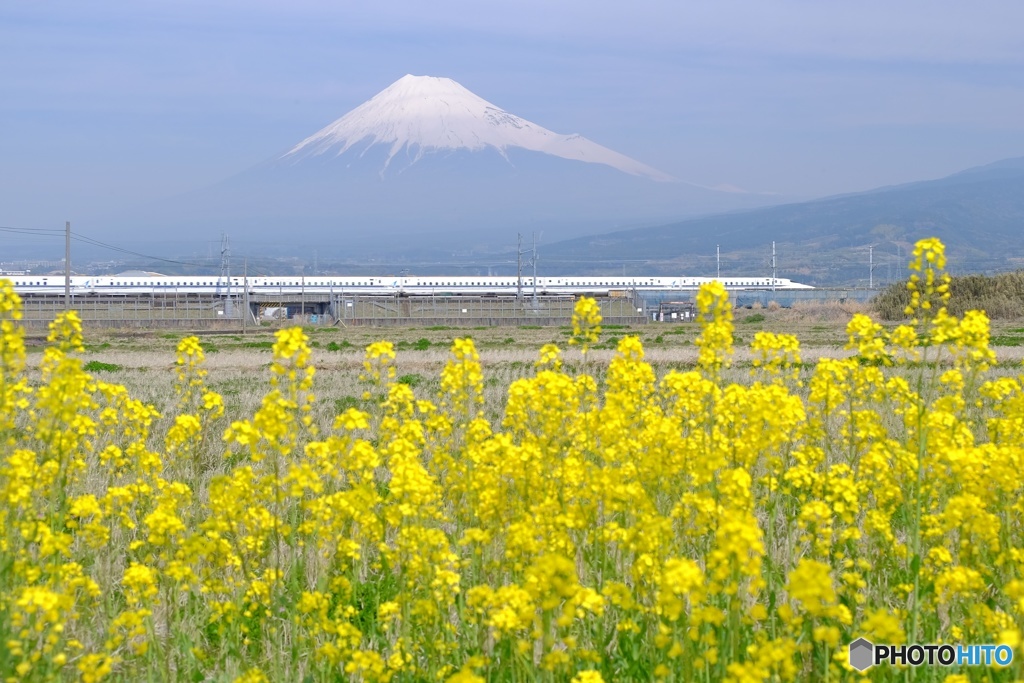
x=135, y=285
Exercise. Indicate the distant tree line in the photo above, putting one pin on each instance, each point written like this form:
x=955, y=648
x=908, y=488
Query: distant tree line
x=1000, y=296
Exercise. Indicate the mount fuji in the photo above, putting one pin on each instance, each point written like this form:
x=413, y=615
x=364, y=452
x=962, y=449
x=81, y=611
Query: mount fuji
x=421, y=115
x=427, y=162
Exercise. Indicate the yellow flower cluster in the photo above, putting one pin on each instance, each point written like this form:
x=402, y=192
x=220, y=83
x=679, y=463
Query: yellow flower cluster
x=586, y=324
x=462, y=383
x=928, y=283
x=628, y=526
x=777, y=356
x=714, y=313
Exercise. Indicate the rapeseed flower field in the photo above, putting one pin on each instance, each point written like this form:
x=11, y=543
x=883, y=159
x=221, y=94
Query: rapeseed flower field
x=673, y=528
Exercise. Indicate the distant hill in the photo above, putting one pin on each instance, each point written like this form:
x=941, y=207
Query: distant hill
x=978, y=213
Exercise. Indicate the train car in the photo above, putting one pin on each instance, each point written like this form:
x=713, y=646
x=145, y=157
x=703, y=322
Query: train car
x=175, y=285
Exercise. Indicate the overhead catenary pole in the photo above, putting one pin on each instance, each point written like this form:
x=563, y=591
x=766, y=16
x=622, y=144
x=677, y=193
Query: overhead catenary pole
x=871, y=266
x=245, y=294
x=225, y=272
x=535, y=270
x=718, y=262
x=519, y=268
x=67, y=265
x=773, y=265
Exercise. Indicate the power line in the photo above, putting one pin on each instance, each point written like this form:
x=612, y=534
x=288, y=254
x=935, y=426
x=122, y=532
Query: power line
x=30, y=231
x=96, y=243
x=78, y=237
x=31, y=234
x=194, y=264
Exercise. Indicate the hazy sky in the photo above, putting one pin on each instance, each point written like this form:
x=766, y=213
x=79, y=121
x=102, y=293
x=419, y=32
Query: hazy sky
x=104, y=102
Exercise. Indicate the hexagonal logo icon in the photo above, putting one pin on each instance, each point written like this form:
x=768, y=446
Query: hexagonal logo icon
x=862, y=654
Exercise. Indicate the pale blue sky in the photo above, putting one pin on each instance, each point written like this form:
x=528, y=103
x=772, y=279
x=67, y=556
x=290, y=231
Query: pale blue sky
x=105, y=103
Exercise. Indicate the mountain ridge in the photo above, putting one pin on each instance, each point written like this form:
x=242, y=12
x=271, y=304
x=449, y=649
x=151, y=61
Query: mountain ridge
x=978, y=213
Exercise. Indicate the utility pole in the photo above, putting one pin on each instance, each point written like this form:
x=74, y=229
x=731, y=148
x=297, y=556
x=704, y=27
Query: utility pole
x=871, y=266
x=67, y=265
x=718, y=262
x=773, y=265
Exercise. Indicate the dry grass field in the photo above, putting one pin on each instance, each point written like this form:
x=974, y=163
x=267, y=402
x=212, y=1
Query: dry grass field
x=144, y=361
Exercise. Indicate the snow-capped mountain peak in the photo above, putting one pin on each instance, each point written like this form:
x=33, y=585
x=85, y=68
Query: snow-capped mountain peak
x=424, y=114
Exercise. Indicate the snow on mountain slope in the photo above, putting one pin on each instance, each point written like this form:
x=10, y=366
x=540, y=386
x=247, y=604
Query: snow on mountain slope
x=425, y=114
